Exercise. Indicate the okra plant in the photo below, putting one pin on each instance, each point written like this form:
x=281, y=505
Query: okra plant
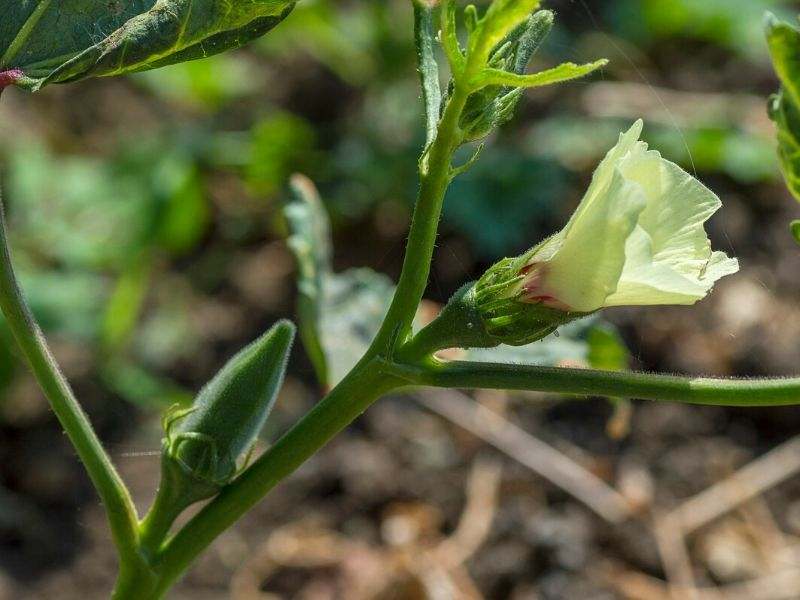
x=636, y=238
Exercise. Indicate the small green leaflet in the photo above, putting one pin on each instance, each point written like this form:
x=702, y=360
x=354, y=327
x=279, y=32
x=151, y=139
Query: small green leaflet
x=340, y=313
x=784, y=108
x=561, y=73
x=54, y=41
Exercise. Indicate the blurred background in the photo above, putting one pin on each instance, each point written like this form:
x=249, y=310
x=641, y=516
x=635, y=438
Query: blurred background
x=145, y=222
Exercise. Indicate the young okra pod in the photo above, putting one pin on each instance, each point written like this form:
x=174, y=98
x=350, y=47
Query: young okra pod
x=204, y=442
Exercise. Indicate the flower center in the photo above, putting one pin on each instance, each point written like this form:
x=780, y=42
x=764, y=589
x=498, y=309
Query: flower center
x=533, y=287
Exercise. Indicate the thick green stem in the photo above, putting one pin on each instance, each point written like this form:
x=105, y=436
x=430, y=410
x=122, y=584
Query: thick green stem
x=435, y=171
x=588, y=382
x=435, y=175
x=116, y=499
x=156, y=524
x=367, y=382
x=134, y=582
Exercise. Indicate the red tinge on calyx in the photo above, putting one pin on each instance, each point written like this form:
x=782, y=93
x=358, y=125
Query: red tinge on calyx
x=9, y=77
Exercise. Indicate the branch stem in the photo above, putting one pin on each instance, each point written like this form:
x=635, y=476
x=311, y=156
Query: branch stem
x=434, y=180
x=588, y=382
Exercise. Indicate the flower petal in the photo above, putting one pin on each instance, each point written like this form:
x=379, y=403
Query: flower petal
x=668, y=256
x=645, y=282
x=604, y=173
x=586, y=269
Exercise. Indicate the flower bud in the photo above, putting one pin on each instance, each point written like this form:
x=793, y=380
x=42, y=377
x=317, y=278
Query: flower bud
x=494, y=105
x=479, y=315
x=204, y=442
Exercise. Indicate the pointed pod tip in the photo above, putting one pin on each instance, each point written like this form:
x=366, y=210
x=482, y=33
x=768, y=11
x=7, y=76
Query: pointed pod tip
x=544, y=17
x=770, y=21
x=774, y=26
x=279, y=337
x=284, y=329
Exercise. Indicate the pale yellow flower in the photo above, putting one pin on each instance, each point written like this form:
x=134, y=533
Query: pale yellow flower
x=637, y=238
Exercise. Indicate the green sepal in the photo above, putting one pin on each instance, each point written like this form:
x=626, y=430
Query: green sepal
x=180, y=487
x=204, y=442
x=55, y=41
x=472, y=320
x=505, y=314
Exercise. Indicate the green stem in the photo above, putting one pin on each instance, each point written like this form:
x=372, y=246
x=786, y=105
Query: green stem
x=588, y=382
x=24, y=34
x=434, y=178
x=156, y=524
x=436, y=172
x=134, y=582
x=113, y=493
x=368, y=381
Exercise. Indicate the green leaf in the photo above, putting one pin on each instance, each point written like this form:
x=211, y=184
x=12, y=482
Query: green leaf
x=784, y=47
x=53, y=41
x=338, y=313
x=126, y=301
x=281, y=144
x=353, y=307
x=796, y=230
x=501, y=18
x=607, y=350
x=559, y=74
x=786, y=115
x=142, y=387
x=784, y=108
x=309, y=241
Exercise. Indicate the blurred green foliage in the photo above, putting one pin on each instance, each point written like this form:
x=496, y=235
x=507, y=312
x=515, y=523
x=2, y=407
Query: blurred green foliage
x=733, y=24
